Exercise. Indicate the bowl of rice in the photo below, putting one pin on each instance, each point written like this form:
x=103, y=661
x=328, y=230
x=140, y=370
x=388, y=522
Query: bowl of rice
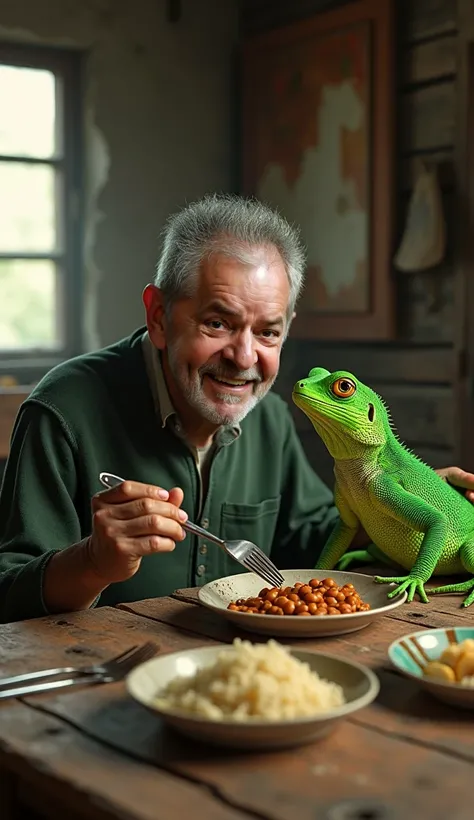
x=253, y=696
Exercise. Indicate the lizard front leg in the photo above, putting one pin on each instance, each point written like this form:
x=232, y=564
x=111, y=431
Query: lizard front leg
x=370, y=555
x=467, y=557
x=342, y=535
x=410, y=510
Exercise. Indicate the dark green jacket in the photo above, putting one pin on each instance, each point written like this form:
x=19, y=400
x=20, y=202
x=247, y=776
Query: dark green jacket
x=96, y=413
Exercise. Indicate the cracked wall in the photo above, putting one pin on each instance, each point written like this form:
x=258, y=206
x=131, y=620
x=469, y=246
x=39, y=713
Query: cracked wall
x=158, y=130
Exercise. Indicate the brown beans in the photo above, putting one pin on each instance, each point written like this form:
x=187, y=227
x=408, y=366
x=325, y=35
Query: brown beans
x=272, y=595
x=316, y=598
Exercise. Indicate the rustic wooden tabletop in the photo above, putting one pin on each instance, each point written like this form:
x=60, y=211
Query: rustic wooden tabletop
x=94, y=754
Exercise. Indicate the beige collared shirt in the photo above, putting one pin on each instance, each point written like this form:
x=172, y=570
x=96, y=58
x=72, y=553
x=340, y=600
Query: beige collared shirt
x=166, y=412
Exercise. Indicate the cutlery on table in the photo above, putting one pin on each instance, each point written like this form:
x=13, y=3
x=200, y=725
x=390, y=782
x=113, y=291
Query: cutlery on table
x=244, y=552
x=44, y=680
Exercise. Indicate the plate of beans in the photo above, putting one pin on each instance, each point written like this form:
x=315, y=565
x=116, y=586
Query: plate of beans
x=308, y=604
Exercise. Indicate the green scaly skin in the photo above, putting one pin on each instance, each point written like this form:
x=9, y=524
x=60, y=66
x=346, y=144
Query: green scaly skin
x=414, y=518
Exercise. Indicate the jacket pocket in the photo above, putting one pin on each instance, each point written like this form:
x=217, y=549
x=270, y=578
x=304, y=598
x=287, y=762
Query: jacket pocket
x=251, y=522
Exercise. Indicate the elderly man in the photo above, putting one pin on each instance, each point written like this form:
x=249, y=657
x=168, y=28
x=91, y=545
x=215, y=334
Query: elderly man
x=182, y=410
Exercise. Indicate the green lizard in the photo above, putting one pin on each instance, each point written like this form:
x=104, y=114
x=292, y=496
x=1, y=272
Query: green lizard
x=413, y=517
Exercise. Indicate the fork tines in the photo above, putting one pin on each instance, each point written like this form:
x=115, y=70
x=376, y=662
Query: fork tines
x=135, y=655
x=259, y=563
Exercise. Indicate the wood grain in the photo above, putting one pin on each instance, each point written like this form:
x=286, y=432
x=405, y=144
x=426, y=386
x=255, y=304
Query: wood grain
x=308, y=782
x=428, y=118
x=100, y=744
x=420, y=364
x=183, y=612
x=429, y=313
x=74, y=773
x=420, y=19
x=309, y=779
x=81, y=638
x=421, y=414
x=444, y=162
x=429, y=61
x=262, y=15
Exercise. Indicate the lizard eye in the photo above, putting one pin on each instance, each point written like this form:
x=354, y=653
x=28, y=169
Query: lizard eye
x=343, y=388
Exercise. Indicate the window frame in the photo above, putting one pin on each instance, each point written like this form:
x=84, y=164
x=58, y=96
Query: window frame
x=27, y=366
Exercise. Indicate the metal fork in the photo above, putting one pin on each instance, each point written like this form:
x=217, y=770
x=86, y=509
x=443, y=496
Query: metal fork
x=244, y=552
x=113, y=670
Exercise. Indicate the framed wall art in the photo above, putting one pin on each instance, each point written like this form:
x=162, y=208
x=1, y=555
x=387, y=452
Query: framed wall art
x=318, y=144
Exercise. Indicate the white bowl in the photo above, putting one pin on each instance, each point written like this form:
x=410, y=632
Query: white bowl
x=360, y=686
x=217, y=595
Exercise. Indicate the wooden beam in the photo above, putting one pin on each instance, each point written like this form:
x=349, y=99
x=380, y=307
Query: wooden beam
x=428, y=118
x=388, y=363
x=427, y=18
x=464, y=263
x=429, y=61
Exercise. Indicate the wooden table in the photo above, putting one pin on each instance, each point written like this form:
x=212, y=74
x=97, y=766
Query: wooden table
x=95, y=754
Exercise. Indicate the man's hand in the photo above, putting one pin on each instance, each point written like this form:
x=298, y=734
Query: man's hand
x=459, y=478
x=130, y=521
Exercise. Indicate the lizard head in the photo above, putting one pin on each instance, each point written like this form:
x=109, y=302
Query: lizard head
x=347, y=415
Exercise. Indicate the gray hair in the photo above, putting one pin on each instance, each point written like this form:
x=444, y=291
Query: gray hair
x=232, y=225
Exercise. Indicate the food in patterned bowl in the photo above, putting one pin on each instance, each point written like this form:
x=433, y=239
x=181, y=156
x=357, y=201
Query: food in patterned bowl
x=440, y=660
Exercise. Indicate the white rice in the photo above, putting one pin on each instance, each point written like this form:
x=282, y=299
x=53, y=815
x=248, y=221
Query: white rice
x=252, y=682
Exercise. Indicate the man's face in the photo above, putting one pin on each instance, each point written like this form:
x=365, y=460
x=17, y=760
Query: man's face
x=222, y=346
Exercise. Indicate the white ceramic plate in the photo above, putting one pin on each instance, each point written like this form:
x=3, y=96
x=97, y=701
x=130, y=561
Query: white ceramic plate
x=217, y=595
x=360, y=687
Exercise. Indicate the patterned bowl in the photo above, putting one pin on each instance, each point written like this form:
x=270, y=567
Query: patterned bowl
x=410, y=654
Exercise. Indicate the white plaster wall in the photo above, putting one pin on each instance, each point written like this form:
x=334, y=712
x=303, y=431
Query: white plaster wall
x=158, y=129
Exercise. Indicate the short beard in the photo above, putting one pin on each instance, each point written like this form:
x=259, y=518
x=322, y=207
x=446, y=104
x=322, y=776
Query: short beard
x=194, y=395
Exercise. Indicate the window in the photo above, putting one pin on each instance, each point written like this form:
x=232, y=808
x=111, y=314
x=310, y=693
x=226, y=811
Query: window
x=40, y=207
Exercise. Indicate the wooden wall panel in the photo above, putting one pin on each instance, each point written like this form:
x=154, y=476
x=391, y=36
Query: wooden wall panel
x=428, y=118
x=262, y=15
x=427, y=18
x=417, y=372
x=421, y=18
x=375, y=364
x=435, y=59
x=428, y=44
x=430, y=297
x=416, y=382
x=444, y=160
x=421, y=416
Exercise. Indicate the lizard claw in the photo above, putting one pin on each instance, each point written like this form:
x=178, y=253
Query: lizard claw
x=360, y=556
x=407, y=582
